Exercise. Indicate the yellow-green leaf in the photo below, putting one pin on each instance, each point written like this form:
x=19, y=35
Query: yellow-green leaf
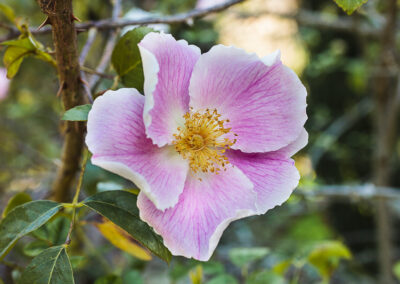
x=8, y=12
x=327, y=255
x=51, y=266
x=18, y=49
x=282, y=267
x=16, y=200
x=349, y=6
x=122, y=240
x=396, y=270
x=196, y=275
x=13, y=57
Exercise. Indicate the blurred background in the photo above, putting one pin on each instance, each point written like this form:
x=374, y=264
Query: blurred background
x=340, y=226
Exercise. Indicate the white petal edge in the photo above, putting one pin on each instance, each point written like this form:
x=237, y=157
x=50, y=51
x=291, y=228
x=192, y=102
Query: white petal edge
x=296, y=145
x=150, y=70
x=271, y=58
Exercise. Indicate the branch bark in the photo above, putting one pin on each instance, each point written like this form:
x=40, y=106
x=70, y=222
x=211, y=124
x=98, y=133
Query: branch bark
x=385, y=133
x=60, y=16
x=108, y=49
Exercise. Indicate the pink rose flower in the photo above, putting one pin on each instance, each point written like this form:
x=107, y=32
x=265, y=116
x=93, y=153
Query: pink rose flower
x=4, y=83
x=209, y=143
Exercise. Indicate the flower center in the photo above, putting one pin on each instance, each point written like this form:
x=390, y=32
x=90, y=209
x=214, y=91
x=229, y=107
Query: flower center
x=201, y=141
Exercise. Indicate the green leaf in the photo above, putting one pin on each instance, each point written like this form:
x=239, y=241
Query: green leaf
x=349, y=6
x=396, y=270
x=223, y=279
x=78, y=113
x=213, y=267
x=51, y=266
x=119, y=207
x=34, y=248
x=132, y=277
x=8, y=12
x=109, y=279
x=55, y=231
x=78, y=261
x=244, y=256
x=16, y=200
x=265, y=277
x=126, y=58
x=326, y=256
x=24, y=219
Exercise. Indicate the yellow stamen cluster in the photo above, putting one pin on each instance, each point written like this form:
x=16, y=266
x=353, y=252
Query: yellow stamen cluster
x=201, y=142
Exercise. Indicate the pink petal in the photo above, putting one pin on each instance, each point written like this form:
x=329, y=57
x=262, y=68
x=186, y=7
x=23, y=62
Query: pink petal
x=116, y=137
x=167, y=66
x=205, y=208
x=296, y=145
x=4, y=83
x=273, y=174
x=263, y=99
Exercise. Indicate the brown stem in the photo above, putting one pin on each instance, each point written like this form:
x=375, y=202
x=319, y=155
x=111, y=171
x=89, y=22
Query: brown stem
x=385, y=133
x=61, y=18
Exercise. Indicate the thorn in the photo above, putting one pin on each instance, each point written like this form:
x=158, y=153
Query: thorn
x=190, y=22
x=60, y=89
x=74, y=18
x=83, y=81
x=45, y=22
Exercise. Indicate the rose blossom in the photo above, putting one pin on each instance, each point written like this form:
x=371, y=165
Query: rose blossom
x=209, y=143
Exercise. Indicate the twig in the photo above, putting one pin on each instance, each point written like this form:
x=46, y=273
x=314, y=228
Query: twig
x=368, y=192
x=106, y=57
x=120, y=23
x=88, y=45
x=76, y=197
x=6, y=26
x=326, y=139
x=82, y=58
x=91, y=71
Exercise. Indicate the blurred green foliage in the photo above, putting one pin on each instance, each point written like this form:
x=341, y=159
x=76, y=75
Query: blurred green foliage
x=304, y=244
